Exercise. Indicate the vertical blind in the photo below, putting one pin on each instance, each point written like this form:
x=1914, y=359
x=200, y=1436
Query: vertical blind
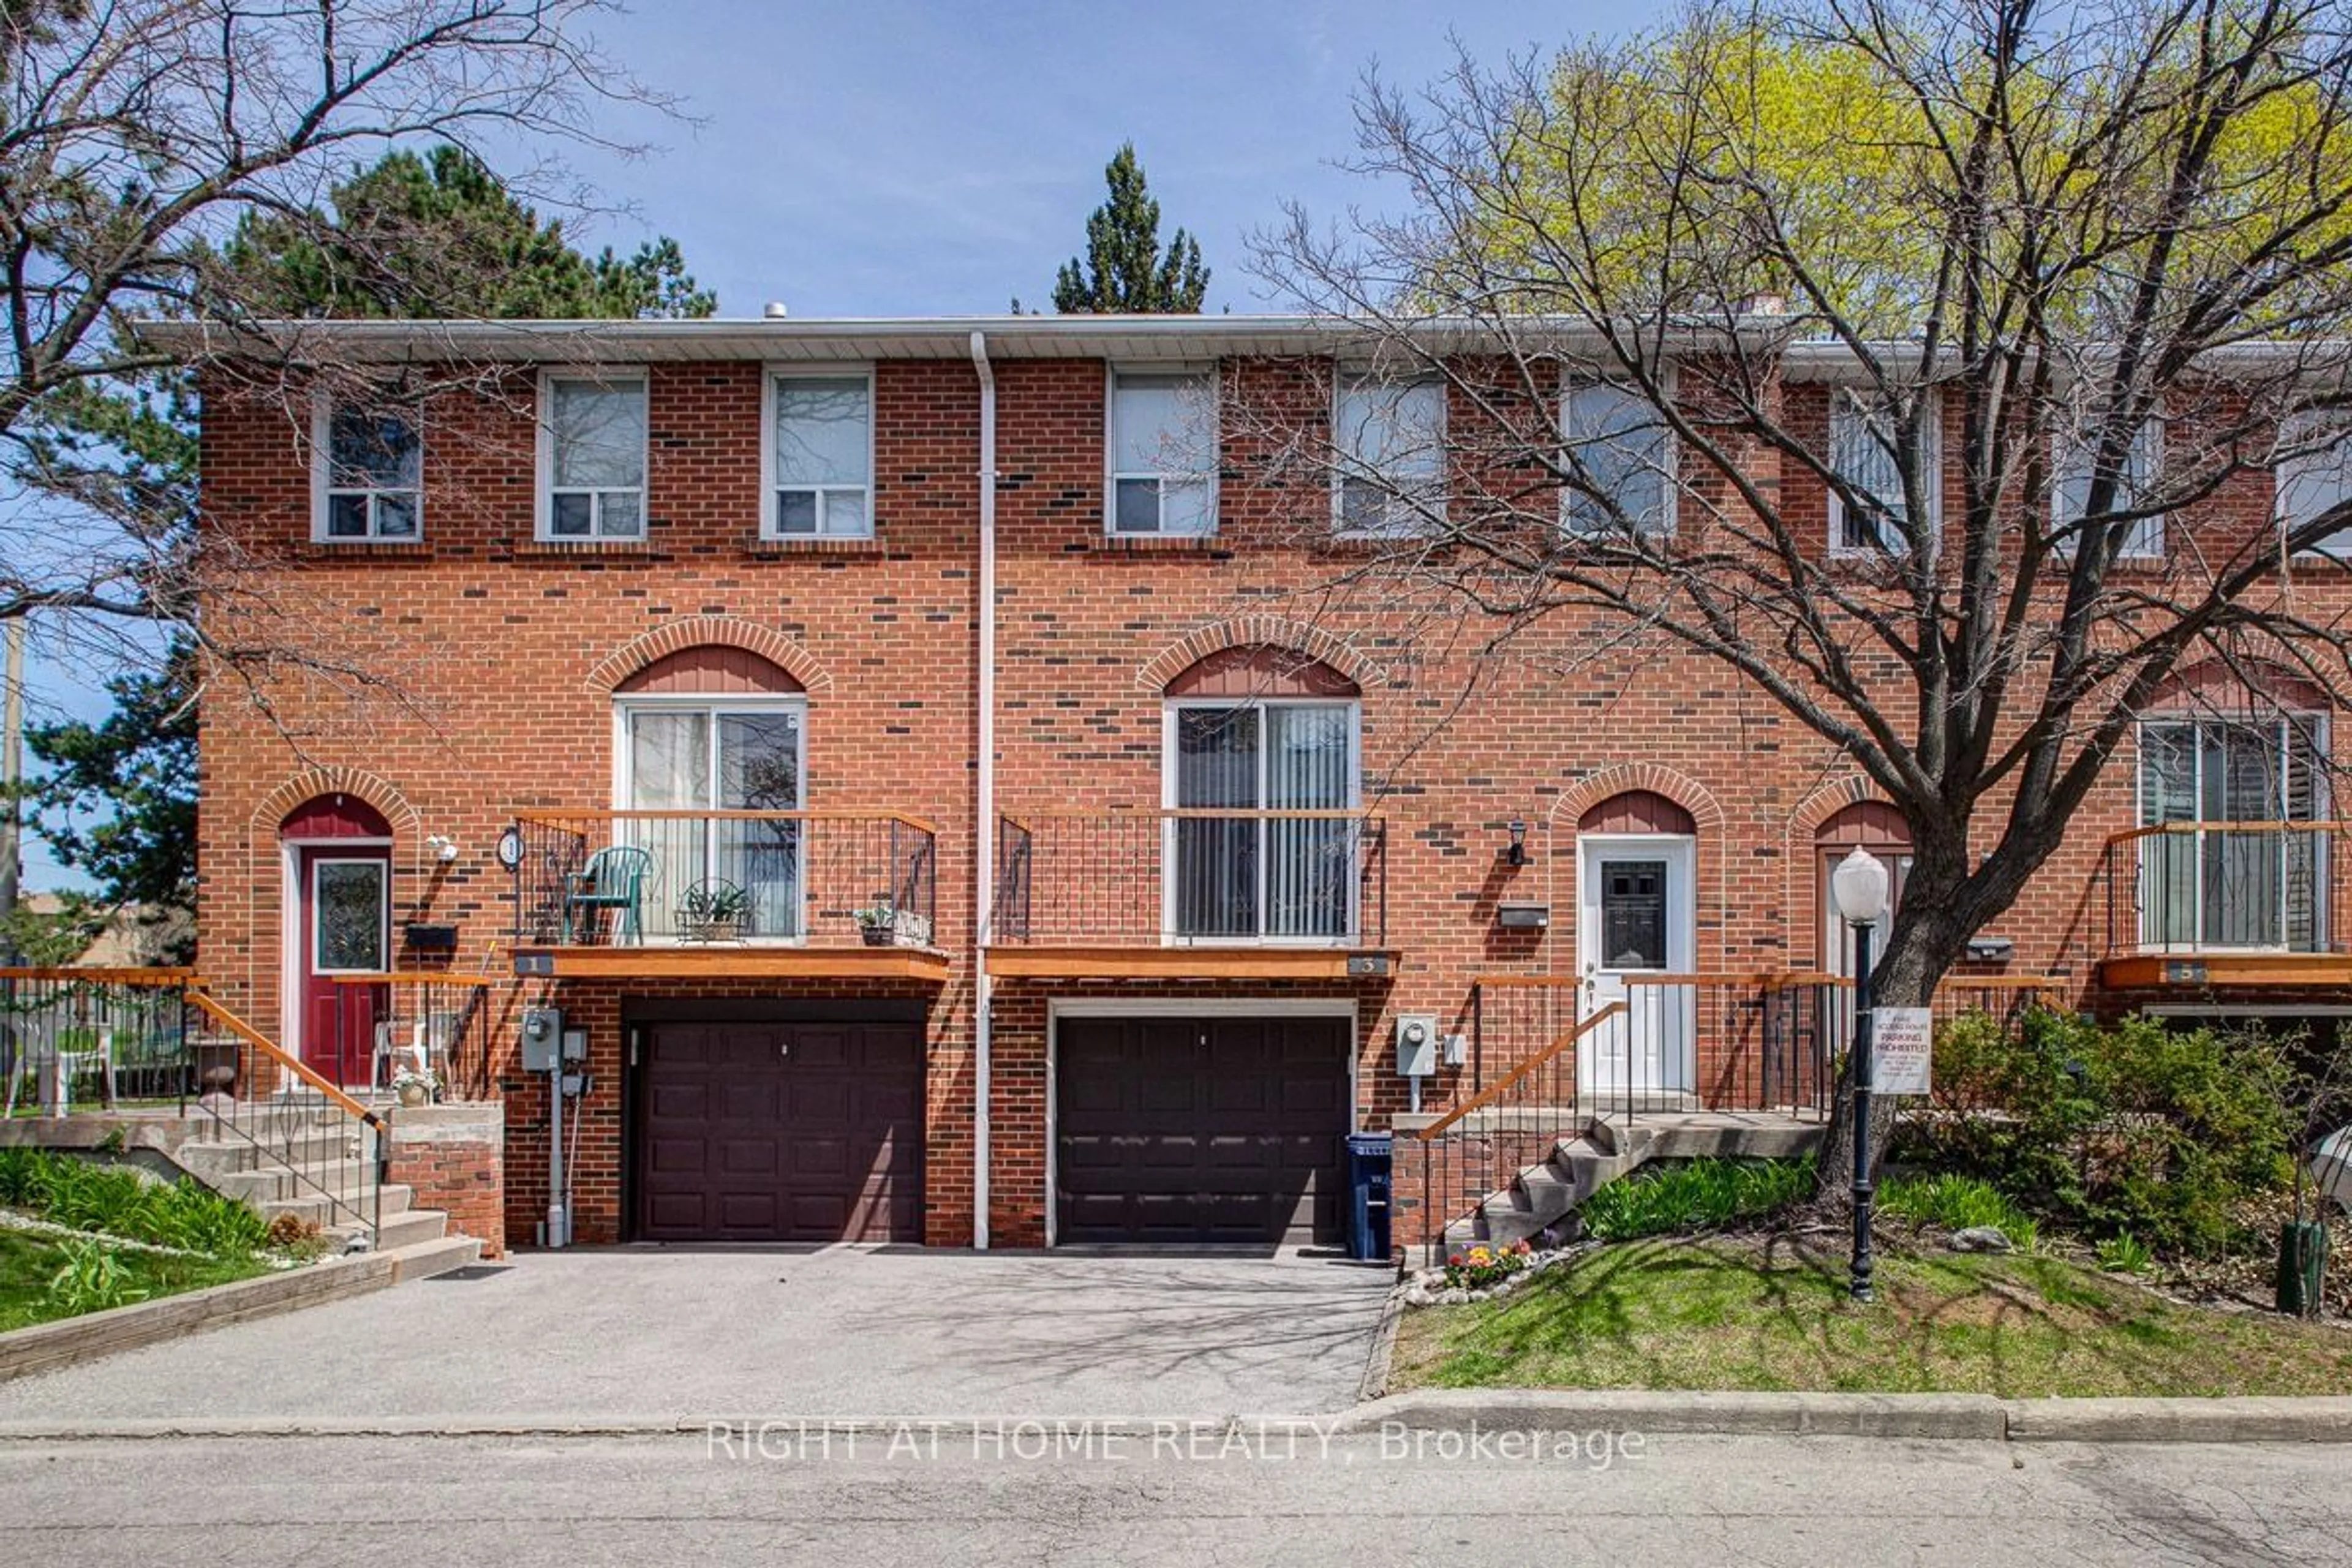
x=1250, y=876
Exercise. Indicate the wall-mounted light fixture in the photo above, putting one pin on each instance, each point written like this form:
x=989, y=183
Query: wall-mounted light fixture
x=1517, y=855
x=443, y=847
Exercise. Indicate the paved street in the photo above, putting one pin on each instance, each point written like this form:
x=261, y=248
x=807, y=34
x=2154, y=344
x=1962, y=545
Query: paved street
x=838, y=1333
x=1702, y=1500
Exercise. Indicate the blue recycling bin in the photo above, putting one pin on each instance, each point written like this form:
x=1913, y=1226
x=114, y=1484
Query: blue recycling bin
x=1370, y=1166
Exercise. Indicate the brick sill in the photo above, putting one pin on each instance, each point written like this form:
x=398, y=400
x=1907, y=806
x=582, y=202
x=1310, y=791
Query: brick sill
x=786, y=549
x=365, y=550
x=1156, y=545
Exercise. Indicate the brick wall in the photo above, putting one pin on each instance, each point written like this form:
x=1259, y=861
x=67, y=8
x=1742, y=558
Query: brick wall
x=453, y=1159
x=472, y=676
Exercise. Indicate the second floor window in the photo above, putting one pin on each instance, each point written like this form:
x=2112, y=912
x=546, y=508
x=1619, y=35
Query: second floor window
x=372, y=474
x=1163, y=454
x=2136, y=485
x=819, y=457
x=696, y=776
x=2315, y=478
x=595, y=458
x=1389, y=443
x=1865, y=453
x=1619, y=442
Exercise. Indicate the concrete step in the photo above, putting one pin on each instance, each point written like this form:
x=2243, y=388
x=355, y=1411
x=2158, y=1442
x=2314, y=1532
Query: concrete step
x=223, y=1153
x=424, y=1259
x=409, y=1227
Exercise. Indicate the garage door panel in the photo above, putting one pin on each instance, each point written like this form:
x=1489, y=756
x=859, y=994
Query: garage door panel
x=1199, y=1129
x=781, y=1133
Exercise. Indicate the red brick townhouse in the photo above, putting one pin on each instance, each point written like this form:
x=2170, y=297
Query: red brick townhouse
x=1047, y=860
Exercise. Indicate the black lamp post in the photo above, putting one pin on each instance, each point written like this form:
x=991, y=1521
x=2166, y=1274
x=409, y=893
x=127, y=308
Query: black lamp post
x=1859, y=886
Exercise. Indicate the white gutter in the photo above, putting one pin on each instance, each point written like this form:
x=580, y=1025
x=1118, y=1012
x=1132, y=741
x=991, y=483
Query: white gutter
x=983, y=857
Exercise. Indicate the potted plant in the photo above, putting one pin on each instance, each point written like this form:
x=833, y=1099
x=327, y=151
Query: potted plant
x=713, y=910
x=883, y=924
x=415, y=1086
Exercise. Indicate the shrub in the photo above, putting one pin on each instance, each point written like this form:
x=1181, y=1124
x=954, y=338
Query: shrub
x=2127, y=1128
x=1957, y=1202
x=1694, y=1195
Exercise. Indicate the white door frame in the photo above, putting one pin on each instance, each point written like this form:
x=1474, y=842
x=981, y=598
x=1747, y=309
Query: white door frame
x=1680, y=852
x=1060, y=1007
x=292, y=936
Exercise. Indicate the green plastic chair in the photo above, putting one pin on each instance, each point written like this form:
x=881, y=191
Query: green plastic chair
x=614, y=879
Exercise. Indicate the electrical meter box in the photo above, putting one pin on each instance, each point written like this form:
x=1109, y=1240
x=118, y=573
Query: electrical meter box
x=1416, y=1042
x=542, y=1039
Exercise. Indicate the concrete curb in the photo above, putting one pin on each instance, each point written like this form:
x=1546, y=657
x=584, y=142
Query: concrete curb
x=1382, y=1353
x=46, y=1347
x=1980, y=1417
x=1963, y=1416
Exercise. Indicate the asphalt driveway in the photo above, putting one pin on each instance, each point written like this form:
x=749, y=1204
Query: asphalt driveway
x=838, y=1334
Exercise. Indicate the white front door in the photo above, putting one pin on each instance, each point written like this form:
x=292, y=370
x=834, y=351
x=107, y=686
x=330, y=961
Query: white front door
x=1637, y=918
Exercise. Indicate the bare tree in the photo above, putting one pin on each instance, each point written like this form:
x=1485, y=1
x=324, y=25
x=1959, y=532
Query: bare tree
x=1897, y=355
x=134, y=136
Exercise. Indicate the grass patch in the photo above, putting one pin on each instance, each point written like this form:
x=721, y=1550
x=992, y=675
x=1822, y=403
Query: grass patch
x=1772, y=1313
x=30, y=1266
x=1697, y=1195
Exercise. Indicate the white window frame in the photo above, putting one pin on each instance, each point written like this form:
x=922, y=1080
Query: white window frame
x=1112, y=474
x=1348, y=465
x=1845, y=395
x=2336, y=546
x=770, y=512
x=2148, y=448
x=2286, y=723
x=713, y=705
x=1669, y=465
x=323, y=489
x=545, y=488
x=1170, y=935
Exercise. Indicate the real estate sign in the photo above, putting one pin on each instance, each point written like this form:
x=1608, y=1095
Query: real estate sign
x=1903, y=1042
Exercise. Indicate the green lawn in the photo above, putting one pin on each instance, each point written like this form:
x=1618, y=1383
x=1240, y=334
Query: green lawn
x=1772, y=1313
x=29, y=1262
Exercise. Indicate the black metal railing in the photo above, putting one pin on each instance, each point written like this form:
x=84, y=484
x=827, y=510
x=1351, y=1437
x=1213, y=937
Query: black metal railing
x=604, y=878
x=2216, y=887
x=258, y=1123
x=1190, y=877
x=431, y=1024
x=290, y=1135
x=81, y=1039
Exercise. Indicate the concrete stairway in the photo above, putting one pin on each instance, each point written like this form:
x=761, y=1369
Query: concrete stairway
x=1612, y=1146
x=305, y=1166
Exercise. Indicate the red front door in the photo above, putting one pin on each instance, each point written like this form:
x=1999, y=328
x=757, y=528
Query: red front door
x=345, y=930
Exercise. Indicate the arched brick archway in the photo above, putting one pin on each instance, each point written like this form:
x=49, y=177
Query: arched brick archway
x=678, y=637
x=1260, y=670
x=1300, y=639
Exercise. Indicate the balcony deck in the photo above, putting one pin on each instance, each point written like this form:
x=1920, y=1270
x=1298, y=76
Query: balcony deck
x=2220, y=905
x=737, y=895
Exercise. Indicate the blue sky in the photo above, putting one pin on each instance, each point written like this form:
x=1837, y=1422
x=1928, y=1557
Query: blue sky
x=893, y=158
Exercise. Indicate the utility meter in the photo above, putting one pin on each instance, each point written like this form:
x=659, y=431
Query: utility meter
x=1416, y=1042
x=542, y=1039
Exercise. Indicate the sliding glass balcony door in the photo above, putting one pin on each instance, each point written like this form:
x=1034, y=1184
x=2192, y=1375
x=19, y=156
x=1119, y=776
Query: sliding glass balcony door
x=702, y=759
x=1248, y=854
x=2213, y=883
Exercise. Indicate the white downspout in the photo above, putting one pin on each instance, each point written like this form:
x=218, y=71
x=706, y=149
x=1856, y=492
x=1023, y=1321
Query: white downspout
x=983, y=858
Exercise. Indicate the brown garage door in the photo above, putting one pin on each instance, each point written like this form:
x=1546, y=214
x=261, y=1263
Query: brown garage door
x=1199, y=1129
x=781, y=1133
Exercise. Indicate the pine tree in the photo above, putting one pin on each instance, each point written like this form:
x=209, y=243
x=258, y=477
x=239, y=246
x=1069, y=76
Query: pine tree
x=1124, y=269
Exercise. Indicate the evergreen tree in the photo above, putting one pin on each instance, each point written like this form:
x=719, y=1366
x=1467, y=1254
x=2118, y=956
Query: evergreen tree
x=440, y=235
x=1124, y=269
